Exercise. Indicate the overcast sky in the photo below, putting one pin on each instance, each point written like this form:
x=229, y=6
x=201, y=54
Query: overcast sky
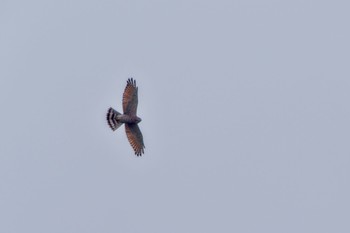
x=244, y=106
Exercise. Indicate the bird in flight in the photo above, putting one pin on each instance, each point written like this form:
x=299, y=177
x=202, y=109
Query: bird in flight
x=115, y=119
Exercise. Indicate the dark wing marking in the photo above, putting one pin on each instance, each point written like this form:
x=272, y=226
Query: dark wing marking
x=135, y=138
x=130, y=99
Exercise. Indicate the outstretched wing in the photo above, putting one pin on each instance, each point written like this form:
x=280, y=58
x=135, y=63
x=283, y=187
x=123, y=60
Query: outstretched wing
x=130, y=99
x=135, y=138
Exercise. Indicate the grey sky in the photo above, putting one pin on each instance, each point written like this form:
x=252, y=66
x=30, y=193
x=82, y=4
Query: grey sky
x=245, y=108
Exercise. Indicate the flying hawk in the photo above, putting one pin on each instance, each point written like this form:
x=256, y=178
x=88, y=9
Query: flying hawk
x=129, y=117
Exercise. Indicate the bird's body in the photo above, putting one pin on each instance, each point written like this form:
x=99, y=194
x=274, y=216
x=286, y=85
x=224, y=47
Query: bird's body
x=129, y=117
x=123, y=118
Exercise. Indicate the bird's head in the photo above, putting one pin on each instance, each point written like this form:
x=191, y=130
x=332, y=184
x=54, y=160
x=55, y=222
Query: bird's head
x=138, y=119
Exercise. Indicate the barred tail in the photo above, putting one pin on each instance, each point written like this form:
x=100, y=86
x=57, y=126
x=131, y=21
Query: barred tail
x=112, y=119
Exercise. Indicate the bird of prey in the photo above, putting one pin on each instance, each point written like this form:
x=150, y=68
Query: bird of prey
x=129, y=117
